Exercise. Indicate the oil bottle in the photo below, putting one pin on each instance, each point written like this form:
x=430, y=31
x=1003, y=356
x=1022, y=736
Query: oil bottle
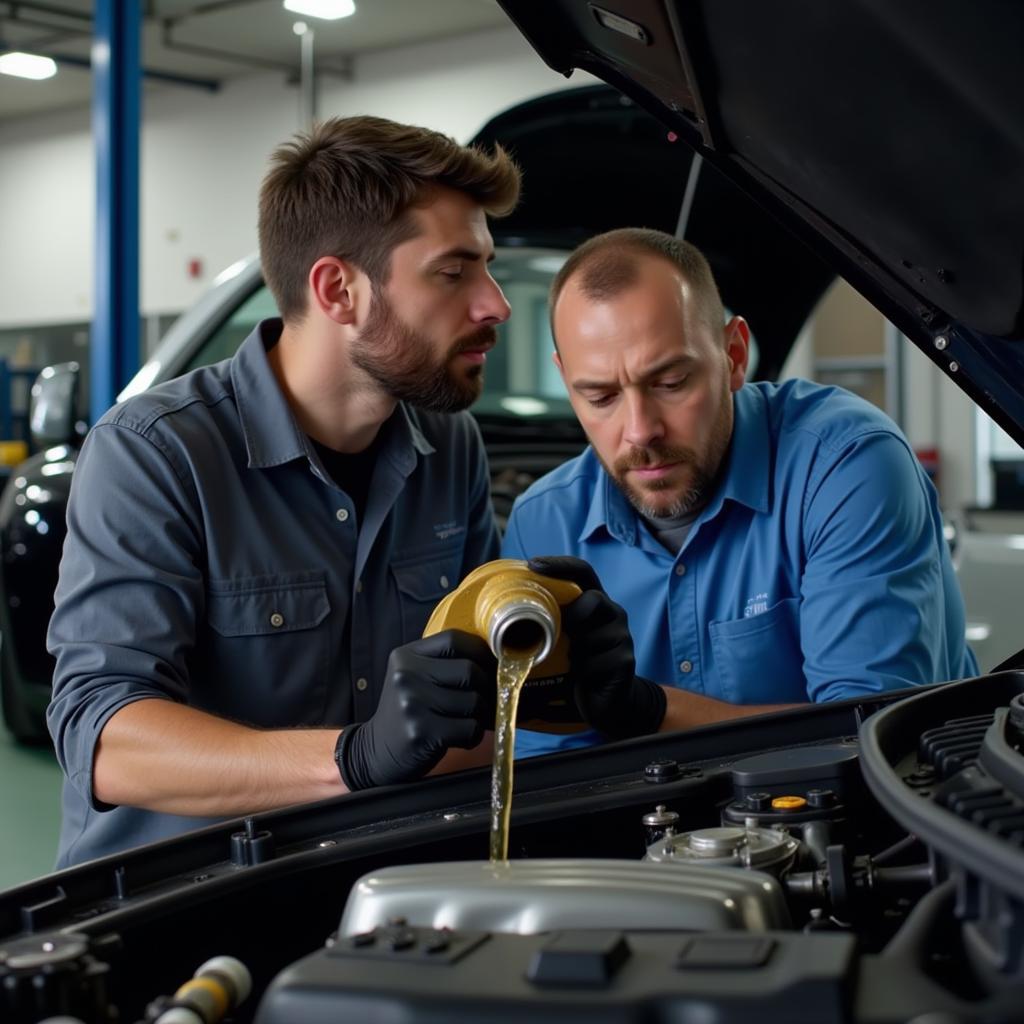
x=518, y=613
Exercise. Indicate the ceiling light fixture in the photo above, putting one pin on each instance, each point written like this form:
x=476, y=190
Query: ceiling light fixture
x=27, y=65
x=329, y=10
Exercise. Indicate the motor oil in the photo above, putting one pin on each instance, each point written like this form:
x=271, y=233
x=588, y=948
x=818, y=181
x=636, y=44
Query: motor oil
x=518, y=613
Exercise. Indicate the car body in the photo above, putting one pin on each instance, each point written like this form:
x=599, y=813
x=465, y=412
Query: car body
x=860, y=862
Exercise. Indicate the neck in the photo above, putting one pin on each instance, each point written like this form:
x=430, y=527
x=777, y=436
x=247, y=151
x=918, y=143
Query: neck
x=332, y=401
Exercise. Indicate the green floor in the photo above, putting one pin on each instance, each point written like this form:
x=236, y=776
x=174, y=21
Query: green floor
x=29, y=810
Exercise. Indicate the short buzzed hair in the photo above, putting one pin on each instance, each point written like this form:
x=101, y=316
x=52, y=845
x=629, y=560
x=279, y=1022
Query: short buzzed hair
x=608, y=264
x=345, y=187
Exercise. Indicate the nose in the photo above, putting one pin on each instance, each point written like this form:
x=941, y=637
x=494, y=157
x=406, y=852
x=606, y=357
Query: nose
x=643, y=426
x=489, y=304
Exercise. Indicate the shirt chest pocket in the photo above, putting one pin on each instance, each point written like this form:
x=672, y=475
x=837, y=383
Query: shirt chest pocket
x=758, y=660
x=268, y=648
x=421, y=583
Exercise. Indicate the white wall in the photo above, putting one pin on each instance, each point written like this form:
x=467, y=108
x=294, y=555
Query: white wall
x=937, y=414
x=46, y=212
x=202, y=158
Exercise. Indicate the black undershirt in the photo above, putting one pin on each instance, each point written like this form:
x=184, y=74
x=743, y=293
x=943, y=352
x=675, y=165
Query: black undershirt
x=352, y=472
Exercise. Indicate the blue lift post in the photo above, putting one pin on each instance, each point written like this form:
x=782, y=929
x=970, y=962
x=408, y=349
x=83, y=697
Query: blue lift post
x=114, y=344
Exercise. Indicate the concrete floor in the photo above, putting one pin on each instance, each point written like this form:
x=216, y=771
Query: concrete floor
x=30, y=783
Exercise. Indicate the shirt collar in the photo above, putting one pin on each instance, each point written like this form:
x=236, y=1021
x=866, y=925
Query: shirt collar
x=272, y=437
x=609, y=508
x=745, y=479
x=748, y=463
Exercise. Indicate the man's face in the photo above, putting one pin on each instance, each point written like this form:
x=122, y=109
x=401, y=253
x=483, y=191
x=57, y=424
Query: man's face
x=651, y=384
x=430, y=326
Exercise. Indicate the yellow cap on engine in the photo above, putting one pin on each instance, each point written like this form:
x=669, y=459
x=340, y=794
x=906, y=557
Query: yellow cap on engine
x=788, y=803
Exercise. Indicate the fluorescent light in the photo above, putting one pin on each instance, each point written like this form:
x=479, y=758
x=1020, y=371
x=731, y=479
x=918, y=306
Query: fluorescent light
x=524, y=405
x=27, y=65
x=547, y=264
x=329, y=10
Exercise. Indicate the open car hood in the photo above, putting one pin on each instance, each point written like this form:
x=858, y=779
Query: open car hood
x=888, y=136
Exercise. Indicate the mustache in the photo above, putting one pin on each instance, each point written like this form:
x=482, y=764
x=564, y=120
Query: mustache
x=482, y=337
x=642, y=458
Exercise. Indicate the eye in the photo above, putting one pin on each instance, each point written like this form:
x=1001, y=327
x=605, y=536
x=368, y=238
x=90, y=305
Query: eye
x=672, y=385
x=599, y=401
x=451, y=273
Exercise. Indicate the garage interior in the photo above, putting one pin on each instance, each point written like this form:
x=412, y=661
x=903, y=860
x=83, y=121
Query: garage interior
x=219, y=84
x=846, y=846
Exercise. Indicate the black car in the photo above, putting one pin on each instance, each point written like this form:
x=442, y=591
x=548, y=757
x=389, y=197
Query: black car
x=858, y=862
x=576, y=185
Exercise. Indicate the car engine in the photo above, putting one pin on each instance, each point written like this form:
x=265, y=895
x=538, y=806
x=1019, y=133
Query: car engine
x=873, y=875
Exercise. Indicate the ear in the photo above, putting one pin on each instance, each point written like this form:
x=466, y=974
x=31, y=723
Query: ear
x=557, y=360
x=737, y=350
x=337, y=289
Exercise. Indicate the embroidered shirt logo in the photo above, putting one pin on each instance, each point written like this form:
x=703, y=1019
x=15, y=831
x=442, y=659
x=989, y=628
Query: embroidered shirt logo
x=442, y=531
x=755, y=605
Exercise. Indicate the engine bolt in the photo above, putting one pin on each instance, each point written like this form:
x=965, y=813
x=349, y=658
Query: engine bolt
x=663, y=770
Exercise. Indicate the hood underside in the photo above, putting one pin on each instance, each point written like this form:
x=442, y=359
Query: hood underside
x=890, y=137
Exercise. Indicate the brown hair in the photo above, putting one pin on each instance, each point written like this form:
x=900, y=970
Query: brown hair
x=345, y=187
x=609, y=265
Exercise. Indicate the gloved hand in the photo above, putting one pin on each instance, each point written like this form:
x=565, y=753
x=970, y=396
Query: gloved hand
x=439, y=692
x=609, y=693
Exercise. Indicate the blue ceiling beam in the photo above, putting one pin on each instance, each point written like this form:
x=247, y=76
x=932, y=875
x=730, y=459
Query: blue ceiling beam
x=114, y=343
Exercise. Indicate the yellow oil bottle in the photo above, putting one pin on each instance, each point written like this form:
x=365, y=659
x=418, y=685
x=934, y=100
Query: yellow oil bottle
x=518, y=613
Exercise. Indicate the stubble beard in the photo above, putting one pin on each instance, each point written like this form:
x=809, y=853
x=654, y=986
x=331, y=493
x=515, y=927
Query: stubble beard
x=701, y=470
x=401, y=361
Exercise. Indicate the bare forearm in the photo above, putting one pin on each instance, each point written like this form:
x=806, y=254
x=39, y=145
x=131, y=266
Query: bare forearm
x=688, y=710
x=457, y=759
x=178, y=760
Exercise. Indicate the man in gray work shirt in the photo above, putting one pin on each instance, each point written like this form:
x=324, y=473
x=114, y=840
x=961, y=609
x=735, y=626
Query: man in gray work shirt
x=248, y=544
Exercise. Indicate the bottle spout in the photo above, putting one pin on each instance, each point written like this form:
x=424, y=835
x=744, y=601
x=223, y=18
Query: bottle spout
x=521, y=627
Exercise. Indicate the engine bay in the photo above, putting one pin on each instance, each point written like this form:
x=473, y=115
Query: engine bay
x=854, y=862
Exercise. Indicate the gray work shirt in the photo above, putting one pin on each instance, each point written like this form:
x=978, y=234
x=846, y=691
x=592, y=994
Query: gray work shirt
x=210, y=560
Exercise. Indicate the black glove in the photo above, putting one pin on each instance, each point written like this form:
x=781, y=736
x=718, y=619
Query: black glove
x=439, y=692
x=611, y=696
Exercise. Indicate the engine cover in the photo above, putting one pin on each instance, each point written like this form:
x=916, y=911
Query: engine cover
x=527, y=897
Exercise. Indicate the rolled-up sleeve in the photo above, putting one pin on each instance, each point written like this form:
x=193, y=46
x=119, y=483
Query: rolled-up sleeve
x=129, y=592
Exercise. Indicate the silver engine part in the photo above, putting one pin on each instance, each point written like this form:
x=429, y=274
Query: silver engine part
x=531, y=896
x=760, y=849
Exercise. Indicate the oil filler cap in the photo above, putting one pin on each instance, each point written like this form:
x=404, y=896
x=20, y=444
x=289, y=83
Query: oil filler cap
x=788, y=803
x=579, y=959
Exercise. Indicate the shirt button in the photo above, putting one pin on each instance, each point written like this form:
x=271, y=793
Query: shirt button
x=361, y=684
x=341, y=514
x=444, y=581
x=686, y=666
x=680, y=570
x=277, y=620
x=359, y=586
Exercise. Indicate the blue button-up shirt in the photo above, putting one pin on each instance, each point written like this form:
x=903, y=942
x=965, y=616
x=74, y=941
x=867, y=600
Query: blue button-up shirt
x=817, y=571
x=210, y=560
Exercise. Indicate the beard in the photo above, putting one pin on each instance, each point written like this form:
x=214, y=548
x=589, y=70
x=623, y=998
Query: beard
x=402, y=362
x=688, y=488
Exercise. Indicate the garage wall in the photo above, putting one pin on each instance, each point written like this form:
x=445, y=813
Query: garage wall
x=203, y=156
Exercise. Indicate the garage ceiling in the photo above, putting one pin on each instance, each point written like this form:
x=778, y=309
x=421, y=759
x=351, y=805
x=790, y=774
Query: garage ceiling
x=204, y=43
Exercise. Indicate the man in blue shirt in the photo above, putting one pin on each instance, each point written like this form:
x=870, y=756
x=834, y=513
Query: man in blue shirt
x=770, y=544
x=247, y=544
